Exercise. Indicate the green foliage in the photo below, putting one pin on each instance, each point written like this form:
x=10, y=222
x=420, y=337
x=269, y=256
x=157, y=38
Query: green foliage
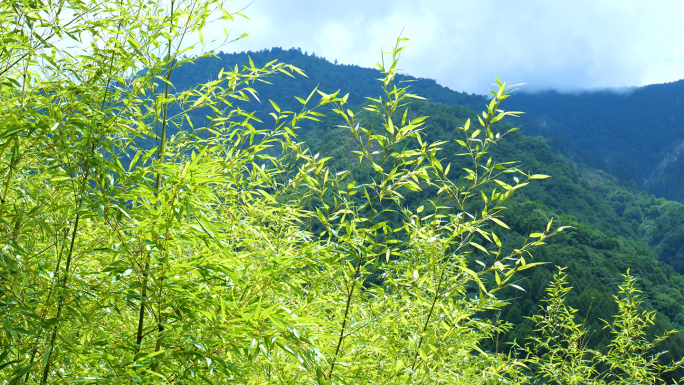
x=659, y=222
x=142, y=245
x=633, y=134
x=190, y=261
x=597, y=250
x=419, y=316
x=558, y=354
x=358, y=82
x=150, y=271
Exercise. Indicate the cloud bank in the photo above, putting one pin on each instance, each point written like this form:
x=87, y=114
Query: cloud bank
x=568, y=46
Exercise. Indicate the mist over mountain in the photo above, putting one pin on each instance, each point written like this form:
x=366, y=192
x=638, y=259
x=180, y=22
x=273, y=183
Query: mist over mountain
x=637, y=136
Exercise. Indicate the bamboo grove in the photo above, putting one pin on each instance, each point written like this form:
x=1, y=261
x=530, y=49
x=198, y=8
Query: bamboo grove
x=137, y=246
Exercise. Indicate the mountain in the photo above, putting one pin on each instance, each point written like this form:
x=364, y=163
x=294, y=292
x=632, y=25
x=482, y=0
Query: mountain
x=358, y=82
x=636, y=135
x=602, y=245
x=616, y=225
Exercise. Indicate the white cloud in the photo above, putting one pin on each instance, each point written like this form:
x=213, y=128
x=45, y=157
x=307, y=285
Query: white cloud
x=464, y=44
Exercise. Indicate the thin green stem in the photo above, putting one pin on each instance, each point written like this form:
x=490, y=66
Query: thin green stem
x=429, y=316
x=161, y=152
x=9, y=176
x=62, y=297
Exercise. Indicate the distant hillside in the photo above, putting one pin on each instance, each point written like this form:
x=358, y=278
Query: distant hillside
x=635, y=136
x=638, y=136
x=657, y=221
x=615, y=228
x=359, y=82
x=604, y=243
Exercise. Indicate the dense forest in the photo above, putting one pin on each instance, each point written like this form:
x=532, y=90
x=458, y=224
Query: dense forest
x=603, y=243
x=652, y=225
x=273, y=217
x=358, y=82
x=634, y=134
x=643, y=125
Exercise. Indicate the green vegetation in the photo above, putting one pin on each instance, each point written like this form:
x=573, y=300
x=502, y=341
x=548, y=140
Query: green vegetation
x=142, y=242
x=560, y=351
x=598, y=249
x=642, y=125
x=358, y=82
x=657, y=221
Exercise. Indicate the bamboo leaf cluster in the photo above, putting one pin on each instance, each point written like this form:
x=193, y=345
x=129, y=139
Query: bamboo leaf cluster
x=140, y=248
x=559, y=351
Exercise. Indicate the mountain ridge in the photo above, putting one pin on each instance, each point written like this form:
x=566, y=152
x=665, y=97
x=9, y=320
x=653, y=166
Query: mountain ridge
x=605, y=243
x=630, y=135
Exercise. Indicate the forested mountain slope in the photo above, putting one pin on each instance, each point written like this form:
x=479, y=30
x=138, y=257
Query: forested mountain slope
x=600, y=248
x=605, y=242
x=636, y=135
x=144, y=242
x=657, y=221
x=585, y=128
x=358, y=82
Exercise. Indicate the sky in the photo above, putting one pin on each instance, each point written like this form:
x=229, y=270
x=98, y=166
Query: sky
x=567, y=46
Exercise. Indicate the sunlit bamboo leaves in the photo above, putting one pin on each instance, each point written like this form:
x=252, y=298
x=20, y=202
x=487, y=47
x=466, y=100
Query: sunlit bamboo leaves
x=140, y=246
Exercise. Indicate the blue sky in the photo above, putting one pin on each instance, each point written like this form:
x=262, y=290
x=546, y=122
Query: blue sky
x=569, y=45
